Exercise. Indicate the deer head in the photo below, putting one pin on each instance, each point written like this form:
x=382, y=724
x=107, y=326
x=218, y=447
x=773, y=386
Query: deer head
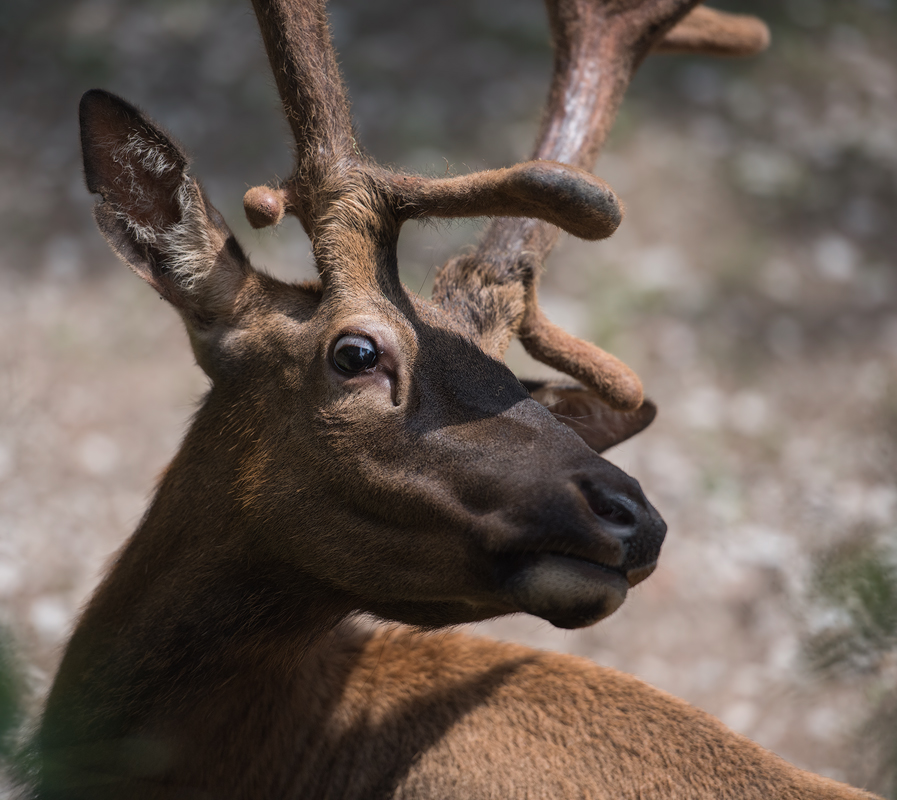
x=361, y=438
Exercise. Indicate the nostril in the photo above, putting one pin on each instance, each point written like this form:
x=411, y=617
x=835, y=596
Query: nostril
x=614, y=511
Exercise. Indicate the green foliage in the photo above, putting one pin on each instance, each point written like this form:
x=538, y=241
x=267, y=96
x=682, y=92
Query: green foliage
x=859, y=584
x=855, y=587
x=10, y=698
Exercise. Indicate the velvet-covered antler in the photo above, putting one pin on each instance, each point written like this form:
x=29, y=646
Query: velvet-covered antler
x=329, y=164
x=597, y=48
x=353, y=208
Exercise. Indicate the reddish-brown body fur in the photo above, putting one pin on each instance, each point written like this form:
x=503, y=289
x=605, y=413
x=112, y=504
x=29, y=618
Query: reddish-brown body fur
x=364, y=450
x=398, y=714
x=453, y=716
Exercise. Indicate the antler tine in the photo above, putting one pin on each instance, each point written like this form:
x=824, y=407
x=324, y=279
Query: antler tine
x=598, y=45
x=711, y=32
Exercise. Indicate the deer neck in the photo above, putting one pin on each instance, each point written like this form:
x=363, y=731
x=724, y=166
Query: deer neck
x=196, y=606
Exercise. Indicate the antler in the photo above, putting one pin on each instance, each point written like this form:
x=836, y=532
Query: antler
x=352, y=208
x=597, y=48
x=330, y=166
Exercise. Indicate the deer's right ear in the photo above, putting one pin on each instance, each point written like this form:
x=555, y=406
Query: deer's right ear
x=153, y=214
x=579, y=408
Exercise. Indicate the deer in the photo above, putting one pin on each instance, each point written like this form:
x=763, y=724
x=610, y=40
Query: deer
x=365, y=453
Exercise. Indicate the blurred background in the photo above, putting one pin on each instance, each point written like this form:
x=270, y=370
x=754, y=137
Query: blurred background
x=752, y=285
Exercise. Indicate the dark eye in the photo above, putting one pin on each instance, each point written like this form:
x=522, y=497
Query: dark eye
x=354, y=353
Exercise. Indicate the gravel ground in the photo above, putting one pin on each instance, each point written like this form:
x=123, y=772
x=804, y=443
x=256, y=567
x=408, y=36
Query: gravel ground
x=753, y=286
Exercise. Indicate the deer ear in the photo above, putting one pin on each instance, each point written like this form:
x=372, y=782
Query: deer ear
x=599, y=425
x=153, y=214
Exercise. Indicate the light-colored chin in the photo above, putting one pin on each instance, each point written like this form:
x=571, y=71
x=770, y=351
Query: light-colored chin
x=568, y=592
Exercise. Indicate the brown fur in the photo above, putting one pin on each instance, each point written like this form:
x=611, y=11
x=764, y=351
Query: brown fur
x=217, y=658
x=402, y=715
x=455, y=716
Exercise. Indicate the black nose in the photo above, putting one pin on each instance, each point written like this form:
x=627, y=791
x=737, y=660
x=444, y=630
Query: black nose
x=626, y=515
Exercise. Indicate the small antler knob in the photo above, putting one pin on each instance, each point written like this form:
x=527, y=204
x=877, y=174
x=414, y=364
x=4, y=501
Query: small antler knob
x=264, y=206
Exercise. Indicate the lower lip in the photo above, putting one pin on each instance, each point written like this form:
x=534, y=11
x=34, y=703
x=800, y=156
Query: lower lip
x=567, y=591
x=588, y=570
